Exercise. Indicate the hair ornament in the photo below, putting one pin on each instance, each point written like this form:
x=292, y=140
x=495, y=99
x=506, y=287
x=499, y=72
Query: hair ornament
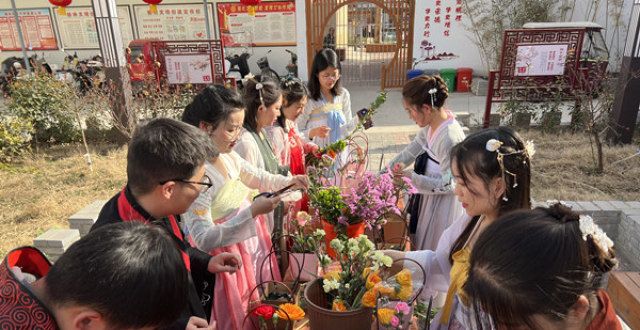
x=494, y=145
x=432, y=93
x=589, y=228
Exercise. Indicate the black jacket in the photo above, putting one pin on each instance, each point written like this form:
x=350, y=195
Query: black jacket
x=124, y=207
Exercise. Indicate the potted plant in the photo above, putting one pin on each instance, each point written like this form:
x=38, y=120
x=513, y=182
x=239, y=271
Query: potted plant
x=335, y=301
x=272, y=317
x=306, y=247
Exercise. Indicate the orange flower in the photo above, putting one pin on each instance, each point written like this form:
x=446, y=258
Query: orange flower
x=405, y=293
x=331, y=154
x=372, y=280
x=385, y=290
x=290, y=312
x=338, y=306
x=332, y=275
x=370, y=298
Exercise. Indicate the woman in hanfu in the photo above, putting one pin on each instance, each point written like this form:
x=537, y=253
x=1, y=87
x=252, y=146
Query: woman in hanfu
x=434, y=207
x=492, y=171
x=289, y=144
x=223, y=218
x=327, y=117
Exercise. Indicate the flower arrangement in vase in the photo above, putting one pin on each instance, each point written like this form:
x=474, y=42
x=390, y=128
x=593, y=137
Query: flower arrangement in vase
x=271, y=317
x=306, y=246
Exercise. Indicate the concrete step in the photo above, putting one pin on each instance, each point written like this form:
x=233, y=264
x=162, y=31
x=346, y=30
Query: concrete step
x=55, y=241
x=86, y=217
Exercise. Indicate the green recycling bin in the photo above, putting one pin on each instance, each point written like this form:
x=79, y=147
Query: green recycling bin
x=449, y=77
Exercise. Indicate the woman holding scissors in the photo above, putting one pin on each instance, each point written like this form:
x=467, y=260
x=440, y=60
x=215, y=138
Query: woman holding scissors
x=223, y=217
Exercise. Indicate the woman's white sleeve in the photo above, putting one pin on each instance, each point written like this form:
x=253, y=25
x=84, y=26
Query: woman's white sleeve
x=206, y=234
x=409, y=154
x=256, y=178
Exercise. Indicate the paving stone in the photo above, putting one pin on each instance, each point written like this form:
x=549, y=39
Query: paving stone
x=57, y=238
x=634, y=204
x=620, y=205
x=573, y=205
x=86, y=217
x=588, y=206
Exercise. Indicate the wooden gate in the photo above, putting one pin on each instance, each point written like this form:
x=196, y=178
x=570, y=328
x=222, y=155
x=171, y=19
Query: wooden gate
x=393, y=71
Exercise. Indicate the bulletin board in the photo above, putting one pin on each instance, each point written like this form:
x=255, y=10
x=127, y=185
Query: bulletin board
x=37, y=30
x=172, y=22
x=78, y=27
x=274, y=24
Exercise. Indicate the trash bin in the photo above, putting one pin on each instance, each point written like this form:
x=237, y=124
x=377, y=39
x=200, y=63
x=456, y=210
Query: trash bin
x=414, y=73
x=449, y=77
x=463, y=82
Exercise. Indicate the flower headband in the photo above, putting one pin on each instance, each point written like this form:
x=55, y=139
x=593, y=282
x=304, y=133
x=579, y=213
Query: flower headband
x=494, y=145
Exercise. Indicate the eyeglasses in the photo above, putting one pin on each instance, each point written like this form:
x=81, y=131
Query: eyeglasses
x=205, y=183
x=330, y=76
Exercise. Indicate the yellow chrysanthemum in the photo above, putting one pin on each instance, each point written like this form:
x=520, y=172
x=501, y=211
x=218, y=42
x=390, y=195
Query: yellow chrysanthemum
x=405, y=293
x=404, y=277
x=385, y=290
x=338, y=306
x=385, y=315
x=290, y=312
x=332, y=275
x=370, y=298
x=372, y=280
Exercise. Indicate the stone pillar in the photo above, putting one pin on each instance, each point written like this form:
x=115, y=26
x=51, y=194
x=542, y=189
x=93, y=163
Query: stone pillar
x=110, y=40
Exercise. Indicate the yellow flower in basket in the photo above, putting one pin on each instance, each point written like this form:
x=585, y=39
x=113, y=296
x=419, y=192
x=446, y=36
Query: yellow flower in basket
x=372, y=280
x=385, y=290
x=405, y=293
x=332, y=275
x=385, y=315
x=366, y=272
x=338, y=306
x=290, y=312
x=370, y=298
x=404, y=277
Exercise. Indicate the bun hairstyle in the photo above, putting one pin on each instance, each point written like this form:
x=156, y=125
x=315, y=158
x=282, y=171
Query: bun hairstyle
x=534, y=262
x=266, y=93
x=293, y=90
x=212, y=105
x=417, y=91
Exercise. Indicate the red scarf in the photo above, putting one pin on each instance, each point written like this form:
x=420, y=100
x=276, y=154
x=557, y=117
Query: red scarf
x=128, y=213
x=606, y=319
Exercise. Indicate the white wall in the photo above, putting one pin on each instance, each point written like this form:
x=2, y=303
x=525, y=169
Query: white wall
x=278, y=58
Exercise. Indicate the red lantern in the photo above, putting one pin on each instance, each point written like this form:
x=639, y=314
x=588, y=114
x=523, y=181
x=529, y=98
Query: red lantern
x=251, y=6
x=153, y=5
x=62, y=4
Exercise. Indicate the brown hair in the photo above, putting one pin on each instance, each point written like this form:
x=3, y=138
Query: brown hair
x=534, y=262
x=416, y=91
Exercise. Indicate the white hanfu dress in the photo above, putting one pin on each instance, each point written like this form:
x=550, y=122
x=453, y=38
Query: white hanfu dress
x=336, y=115
x=439, y=207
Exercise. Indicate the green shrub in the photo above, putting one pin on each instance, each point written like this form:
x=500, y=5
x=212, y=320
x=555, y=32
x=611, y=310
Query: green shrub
x=44, y=101
x=15, y=135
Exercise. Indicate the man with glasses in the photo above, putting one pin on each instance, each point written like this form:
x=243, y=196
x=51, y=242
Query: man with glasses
x=165, y=173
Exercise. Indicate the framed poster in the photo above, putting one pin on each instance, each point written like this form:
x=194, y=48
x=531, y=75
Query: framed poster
x=172, y=22
x=37, y=30
x=78, y=27
x=188, y=69
x=540, y=60
x=273, y=25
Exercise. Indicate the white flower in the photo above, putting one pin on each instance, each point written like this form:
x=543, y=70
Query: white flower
x=337, y=245
x=325, y=260
x=329, y=285
x=319, y=233
x=589, y=228
x=249, y=76
x=530, y=148
x=493, y=145
x=259, y=86
x=433, y=91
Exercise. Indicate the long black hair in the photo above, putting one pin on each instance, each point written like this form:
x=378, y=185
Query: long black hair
x=253, y=98
x=293, y=90
x=473, y=159
x=324, y=59
x=213, y=105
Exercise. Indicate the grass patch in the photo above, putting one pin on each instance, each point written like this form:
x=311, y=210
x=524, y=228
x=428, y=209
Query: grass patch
x=43, y=190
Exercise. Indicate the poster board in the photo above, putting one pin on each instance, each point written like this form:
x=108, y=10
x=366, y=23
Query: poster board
x=172, y=22
x=78, y=27
x=37, y=30
x=273, y=25
x=188, y=68
x=540, y=60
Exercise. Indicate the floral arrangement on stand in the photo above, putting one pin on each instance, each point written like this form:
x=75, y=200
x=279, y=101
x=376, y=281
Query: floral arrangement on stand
x=277, y=317
x=306, y=244
x=345, y=286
